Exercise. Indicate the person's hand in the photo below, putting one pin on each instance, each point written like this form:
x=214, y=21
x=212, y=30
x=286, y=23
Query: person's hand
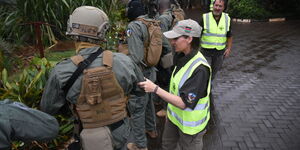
x=227, y=52
x=147, y=85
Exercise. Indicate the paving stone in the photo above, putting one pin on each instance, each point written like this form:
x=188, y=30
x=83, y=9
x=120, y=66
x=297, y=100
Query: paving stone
x=254, y=137
x=263, y=128
x=275, y=115
x=249, y=143
x=267, y=123
x=242, y=146
x=229, y=143
x=261, y=145
x=272, y=135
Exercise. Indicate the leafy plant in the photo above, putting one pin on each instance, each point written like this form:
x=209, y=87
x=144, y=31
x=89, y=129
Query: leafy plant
x=28, y=86
x=283, y=8
x=253, y=9
x=16, y=19
x=7, y=58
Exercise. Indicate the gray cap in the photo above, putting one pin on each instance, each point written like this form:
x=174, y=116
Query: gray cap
x=187, y=27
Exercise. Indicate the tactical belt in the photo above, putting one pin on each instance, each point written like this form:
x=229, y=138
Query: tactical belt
x=115, y=125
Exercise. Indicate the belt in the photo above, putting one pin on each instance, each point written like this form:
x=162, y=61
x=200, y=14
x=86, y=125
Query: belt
x=212, y=52
x=115, y=125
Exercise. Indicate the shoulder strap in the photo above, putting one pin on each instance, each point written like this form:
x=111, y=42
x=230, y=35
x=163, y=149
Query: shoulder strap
x=108, y=58
x=144, y=21
x=77, y=59
x=81, y=66
x=147, y=23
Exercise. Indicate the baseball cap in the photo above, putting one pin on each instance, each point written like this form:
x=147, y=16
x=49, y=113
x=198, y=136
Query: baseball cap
x=187, y=27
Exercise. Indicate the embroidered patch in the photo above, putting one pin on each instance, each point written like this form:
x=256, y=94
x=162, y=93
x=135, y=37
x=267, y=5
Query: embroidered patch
x=191, y=97
x=187, y=29
x=128, y=32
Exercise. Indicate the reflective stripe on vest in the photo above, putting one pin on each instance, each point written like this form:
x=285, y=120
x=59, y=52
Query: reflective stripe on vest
x=189, y=121
x=185, y=76
x=198, y=107
x=214, y=35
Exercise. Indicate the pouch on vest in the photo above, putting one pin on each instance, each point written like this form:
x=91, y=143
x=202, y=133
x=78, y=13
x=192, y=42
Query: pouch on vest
x=96, y=138
x=101, y=101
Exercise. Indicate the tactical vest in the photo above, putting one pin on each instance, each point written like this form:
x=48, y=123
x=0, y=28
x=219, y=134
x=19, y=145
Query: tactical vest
x=101, y=101
x=214, y=35
x=187, y=120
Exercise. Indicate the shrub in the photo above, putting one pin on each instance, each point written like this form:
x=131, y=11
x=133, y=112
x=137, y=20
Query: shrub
x=15, y=18
x=7, y=57
x=247, y=9
x=27, y=87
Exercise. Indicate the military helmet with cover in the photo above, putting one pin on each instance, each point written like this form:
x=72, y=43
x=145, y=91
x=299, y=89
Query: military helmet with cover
x=89, y=22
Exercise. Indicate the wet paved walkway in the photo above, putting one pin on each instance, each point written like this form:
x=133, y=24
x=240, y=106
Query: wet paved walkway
x=257, y=93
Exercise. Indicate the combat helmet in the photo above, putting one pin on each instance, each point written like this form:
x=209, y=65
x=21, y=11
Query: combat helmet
x=87, y=22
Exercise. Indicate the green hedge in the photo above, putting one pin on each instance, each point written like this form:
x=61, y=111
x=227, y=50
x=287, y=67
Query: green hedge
x=250, y=9
x=263, y=9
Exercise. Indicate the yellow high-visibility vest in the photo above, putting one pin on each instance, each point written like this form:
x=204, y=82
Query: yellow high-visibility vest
x=214, y=35
x=187, y=120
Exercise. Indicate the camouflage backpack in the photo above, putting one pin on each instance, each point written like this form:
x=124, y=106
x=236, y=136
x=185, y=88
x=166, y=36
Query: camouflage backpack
x=177, y=13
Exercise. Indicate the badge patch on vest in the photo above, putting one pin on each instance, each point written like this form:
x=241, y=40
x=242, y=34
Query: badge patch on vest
x=191, y=97
x=128, y=32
